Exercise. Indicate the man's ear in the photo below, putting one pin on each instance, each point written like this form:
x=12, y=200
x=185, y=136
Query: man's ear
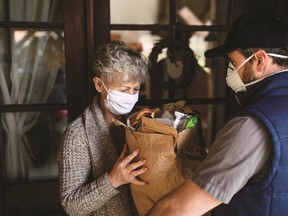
x=97, y=83
x=261, y=59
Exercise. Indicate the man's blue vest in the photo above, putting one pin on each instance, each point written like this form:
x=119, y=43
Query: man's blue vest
x=267, y=101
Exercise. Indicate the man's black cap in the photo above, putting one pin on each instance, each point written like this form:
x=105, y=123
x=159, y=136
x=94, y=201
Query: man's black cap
x=261, y=28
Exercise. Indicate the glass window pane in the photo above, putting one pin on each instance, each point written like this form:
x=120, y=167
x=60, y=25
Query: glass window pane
x=193, y=77
x=32, y=67
x=204, y=12
x=142, y=41
x=30, y=152
x=137, y=12
x=188, y=12
x=31, y=10
x=212, y=119
x=3, y=10
x=217, y=66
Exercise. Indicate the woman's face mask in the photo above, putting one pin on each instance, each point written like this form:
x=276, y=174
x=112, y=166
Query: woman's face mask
x=233, y=79
x=120, y=103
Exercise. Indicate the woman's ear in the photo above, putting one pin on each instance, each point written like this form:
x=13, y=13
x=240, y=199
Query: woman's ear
x=97, y=84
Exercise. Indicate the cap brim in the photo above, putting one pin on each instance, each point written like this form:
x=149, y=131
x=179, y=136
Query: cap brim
x=219, y=51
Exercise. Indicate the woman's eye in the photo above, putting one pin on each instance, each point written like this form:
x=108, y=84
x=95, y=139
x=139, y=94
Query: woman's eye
x=125, y=91
x=128, y=91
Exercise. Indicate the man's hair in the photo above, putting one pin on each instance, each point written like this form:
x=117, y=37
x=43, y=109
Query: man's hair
x=276, y=60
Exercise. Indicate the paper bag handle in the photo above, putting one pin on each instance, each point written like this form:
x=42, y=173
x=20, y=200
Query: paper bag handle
x=118, y=123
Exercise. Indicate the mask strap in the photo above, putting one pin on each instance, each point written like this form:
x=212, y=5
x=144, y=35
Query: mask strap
x=246, y=60
x=104, y=86
x=277, y=55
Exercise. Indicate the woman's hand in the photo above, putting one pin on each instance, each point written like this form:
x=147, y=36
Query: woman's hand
x=125, y=171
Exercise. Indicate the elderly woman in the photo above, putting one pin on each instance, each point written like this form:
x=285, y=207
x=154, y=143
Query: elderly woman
x=94, y=166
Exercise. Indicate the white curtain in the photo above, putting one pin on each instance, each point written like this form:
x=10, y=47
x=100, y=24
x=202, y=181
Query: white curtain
x=29, y=79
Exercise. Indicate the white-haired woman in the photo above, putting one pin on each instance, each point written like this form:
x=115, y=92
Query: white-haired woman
x=94, y=166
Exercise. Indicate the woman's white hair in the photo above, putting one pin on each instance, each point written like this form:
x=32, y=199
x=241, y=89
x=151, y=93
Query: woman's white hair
x=115, y=62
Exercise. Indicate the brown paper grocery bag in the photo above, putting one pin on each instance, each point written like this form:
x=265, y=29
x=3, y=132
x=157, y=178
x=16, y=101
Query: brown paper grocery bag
x=162, y=174
x=160, y=145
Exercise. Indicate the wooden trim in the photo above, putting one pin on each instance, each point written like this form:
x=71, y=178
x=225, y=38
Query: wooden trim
x=2, y=184
x=34, y=197
x=99, y=33
x=176, y=27
x=90, y=46
x=101, y=30
x=75, y=57
x=2, y=158
x=172, y=12
x=31, y=107
x=190, y=101
x=37, y=25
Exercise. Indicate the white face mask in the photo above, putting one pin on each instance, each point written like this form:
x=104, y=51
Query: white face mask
x=120, y=103
x=233, y=79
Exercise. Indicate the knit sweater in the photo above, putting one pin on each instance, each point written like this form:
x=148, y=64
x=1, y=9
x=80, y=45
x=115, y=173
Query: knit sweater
x=85, y=157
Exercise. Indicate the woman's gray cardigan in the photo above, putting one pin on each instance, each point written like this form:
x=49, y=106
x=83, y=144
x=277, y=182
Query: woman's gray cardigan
x=85, y=157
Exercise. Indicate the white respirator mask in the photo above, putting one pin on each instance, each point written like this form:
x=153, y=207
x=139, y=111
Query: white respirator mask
x=233, y=79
